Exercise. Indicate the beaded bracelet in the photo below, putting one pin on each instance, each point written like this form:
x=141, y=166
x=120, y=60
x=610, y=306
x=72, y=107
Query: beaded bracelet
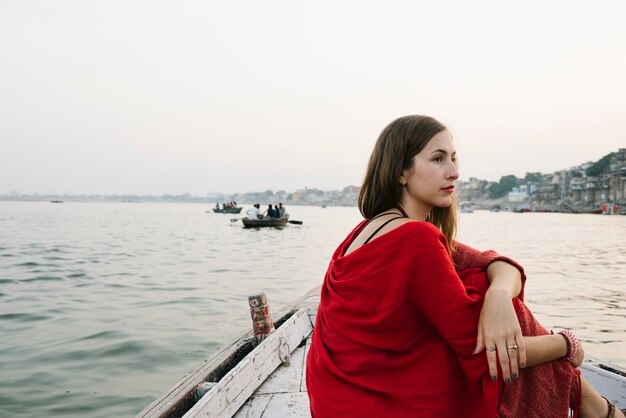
x=568, y=345
x=570, y=338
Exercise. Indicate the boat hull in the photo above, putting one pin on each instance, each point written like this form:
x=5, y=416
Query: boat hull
x=227, y=210
x=264, y=223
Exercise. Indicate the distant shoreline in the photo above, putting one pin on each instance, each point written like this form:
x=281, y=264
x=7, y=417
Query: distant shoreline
x=497, y=205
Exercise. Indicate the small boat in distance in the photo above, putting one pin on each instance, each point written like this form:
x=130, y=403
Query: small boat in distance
x=466, y=207
x=236, y=209
x=265, y=222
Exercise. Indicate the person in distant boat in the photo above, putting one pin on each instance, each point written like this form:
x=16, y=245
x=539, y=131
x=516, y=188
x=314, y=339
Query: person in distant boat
x=412, y=323
x=270, y=212
x=254, y=212
x=217, y=206
x=281, y=210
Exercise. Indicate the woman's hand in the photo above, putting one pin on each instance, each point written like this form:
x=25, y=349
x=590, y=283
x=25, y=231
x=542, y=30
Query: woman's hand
x=500, y=334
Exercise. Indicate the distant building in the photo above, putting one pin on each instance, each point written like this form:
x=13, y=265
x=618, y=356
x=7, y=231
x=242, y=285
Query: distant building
x=548, y=191
x=519, y=194
x=617, y=176
x=471, y=190
x=297, y=195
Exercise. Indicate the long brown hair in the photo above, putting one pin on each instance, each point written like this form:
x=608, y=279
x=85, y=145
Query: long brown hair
x=393, y=153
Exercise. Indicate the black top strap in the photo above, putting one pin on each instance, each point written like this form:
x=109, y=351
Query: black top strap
x=381, y=227
x=402, y=211
x=382, y=214
x=378, y=216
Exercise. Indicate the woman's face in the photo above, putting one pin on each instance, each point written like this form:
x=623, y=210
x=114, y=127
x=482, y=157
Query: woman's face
x=430, y=182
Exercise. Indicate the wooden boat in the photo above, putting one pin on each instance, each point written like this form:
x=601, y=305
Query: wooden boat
x=265, y=222
x=228, y=210
x=466, y=207
x=268, y=380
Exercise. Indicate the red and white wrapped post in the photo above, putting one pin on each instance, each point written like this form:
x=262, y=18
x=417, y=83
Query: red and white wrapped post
x=261, y=319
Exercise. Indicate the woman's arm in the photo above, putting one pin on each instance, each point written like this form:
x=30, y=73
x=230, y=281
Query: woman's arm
x=541, y=349
x=453, y=304
x=544, y=348
x=504, y=277
x=452, y=307
x=465, y=257
x=498, y=326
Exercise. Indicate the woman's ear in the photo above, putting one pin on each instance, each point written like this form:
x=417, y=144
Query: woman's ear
x=405, y=175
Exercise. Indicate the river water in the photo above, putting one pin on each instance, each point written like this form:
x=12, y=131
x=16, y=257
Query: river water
x=103, y=306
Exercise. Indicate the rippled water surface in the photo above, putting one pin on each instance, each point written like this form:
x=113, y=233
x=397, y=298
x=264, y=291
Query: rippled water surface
x=103, y=306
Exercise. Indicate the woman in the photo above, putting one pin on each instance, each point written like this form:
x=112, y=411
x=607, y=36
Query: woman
x=399, y=333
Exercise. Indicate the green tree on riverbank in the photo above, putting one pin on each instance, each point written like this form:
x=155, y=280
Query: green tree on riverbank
x=504, y=186
x=600, y=166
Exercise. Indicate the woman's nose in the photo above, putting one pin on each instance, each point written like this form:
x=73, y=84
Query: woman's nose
x=454, y=172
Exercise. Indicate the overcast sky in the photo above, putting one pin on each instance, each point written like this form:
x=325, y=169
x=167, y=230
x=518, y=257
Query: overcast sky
x=152, y=97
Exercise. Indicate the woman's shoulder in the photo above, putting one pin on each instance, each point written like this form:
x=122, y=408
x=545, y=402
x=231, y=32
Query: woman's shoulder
x=418, y=242
x=348, y=239
x=421, y=229
x=423, y=234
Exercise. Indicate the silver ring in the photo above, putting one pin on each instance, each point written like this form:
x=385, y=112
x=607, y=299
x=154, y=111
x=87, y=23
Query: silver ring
x=492, y=349
x=511, y=347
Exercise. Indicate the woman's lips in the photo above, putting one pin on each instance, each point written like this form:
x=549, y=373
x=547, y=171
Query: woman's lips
x=448, y=189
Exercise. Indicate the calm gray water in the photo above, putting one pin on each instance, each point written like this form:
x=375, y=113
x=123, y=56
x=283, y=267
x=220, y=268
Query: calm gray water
x=103, y=306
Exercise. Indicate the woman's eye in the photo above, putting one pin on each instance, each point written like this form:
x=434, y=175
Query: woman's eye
x=437, y=158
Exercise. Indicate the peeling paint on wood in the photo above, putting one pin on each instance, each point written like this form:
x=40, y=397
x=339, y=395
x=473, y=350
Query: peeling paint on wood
x=235, y=388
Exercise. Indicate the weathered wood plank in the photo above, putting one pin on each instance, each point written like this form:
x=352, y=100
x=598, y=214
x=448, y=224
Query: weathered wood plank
x=286, y=378
x=307, y=347
x=234, y=389
x=254, y=407
x=288, y=405
x=311, y=302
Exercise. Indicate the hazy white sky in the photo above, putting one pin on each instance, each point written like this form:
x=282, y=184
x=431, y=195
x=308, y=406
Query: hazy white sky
x=152, y=97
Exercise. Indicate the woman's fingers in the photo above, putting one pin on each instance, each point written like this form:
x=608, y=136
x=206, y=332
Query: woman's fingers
x=511, y=349
x=480, y=344
x=521, y=349
x=492, y=360
x=509, y=355
x=503, y=356
x=498, y=333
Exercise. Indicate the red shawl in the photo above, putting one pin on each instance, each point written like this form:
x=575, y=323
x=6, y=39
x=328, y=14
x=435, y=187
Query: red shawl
x=396, y=328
